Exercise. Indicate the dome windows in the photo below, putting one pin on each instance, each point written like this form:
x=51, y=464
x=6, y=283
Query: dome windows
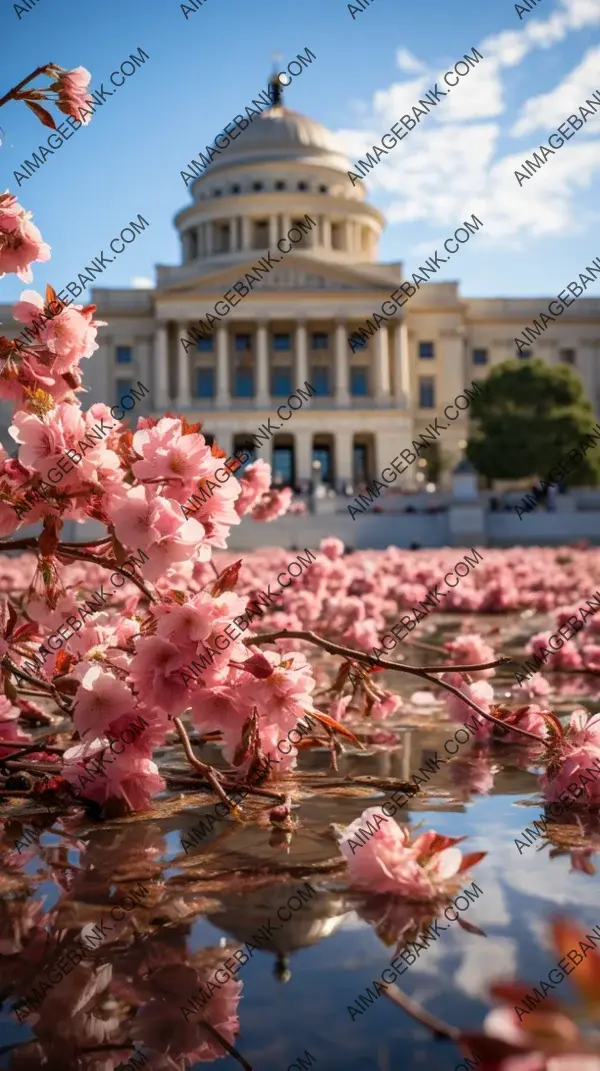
x=257, y=186
x=280, y=185
x=302, y=185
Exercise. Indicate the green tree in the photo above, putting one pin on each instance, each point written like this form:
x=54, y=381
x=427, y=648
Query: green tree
x=528, y=416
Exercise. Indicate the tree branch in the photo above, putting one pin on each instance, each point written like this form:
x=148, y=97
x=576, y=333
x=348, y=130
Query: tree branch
x=424, y=672
x=202, y=767
x=15, y=89
x=78, y=555
x=415, y=1011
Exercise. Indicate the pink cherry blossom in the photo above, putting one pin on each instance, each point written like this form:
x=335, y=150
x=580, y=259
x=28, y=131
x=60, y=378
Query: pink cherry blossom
x=388, y=862
x=21, y=243
x=66, y=335
x=71, y=87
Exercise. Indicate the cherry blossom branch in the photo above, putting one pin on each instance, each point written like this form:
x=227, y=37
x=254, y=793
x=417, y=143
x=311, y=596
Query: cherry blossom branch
x=361, y=656
x=202, y=767
x=44, y=685
x=77, y=555
x=424, y=672
x=15, y=89
x=422, y=1016
x=27, y=543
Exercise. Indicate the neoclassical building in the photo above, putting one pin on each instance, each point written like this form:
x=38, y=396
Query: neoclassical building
x=294, y=325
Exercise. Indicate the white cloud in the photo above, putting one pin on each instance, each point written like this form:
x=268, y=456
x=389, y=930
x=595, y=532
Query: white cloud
x=405, y=61
x=449, y=167
x=142, y=282
x=511, y=46
x=548, y=110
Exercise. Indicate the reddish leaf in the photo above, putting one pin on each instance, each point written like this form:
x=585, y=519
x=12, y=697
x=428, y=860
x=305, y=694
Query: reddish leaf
x=187, y=429
x=51, y=295
x=586, y=978
x=178, y=596
x=553, y=722
x=509, y=992
x=63, y=661
x=227, y=580
x=331, y=723
x=217, y=451
x=471, y=860
x=440, y=842
x=257, y=665
x=471, y=928
x=42, y=114
x=12, y=620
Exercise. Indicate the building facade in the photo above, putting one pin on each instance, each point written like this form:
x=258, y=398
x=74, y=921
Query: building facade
x=294, y=324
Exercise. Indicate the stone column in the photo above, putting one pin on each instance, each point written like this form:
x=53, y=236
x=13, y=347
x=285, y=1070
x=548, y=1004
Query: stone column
x=286, y=223
x=223, y=399
x=450, y=363
x=382, y=366
x=183, y=370
x=301, y=349
x=326, y=232
x=342, y=394
x=161, y=349
x=303, y=455
x=343, y=459
x=262, y=398
x=245, y=234
x=208, y=236
x=273, y=235
x=401, y=365
x=143, y=345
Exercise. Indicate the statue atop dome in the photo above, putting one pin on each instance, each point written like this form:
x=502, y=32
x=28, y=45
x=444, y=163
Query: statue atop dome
x=275, y=86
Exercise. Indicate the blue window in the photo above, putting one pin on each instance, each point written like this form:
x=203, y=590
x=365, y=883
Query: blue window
x=359, y=343
x=480, y=356
x=281, y=342
x=244, y=383
x=205, y=345
x=124, y=354
x=205, y=383
x=359, y=382
x=426, y=350
x=323, y=454
x=283, y=465
x=281, y=382
x=426, y=392
x=525, y=353
x=122, y=386
x=319, y=340
x=321, y=379
x=243, y=343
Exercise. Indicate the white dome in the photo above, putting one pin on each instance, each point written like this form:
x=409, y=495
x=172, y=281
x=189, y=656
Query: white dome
x=280, y=134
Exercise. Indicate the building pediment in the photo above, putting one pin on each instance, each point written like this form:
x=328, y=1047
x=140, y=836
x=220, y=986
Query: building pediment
x=300, y=274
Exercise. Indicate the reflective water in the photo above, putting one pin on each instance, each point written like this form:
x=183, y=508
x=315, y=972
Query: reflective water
x=202, y=905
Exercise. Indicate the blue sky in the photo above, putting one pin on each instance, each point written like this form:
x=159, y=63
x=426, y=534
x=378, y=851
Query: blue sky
x=203, y=70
